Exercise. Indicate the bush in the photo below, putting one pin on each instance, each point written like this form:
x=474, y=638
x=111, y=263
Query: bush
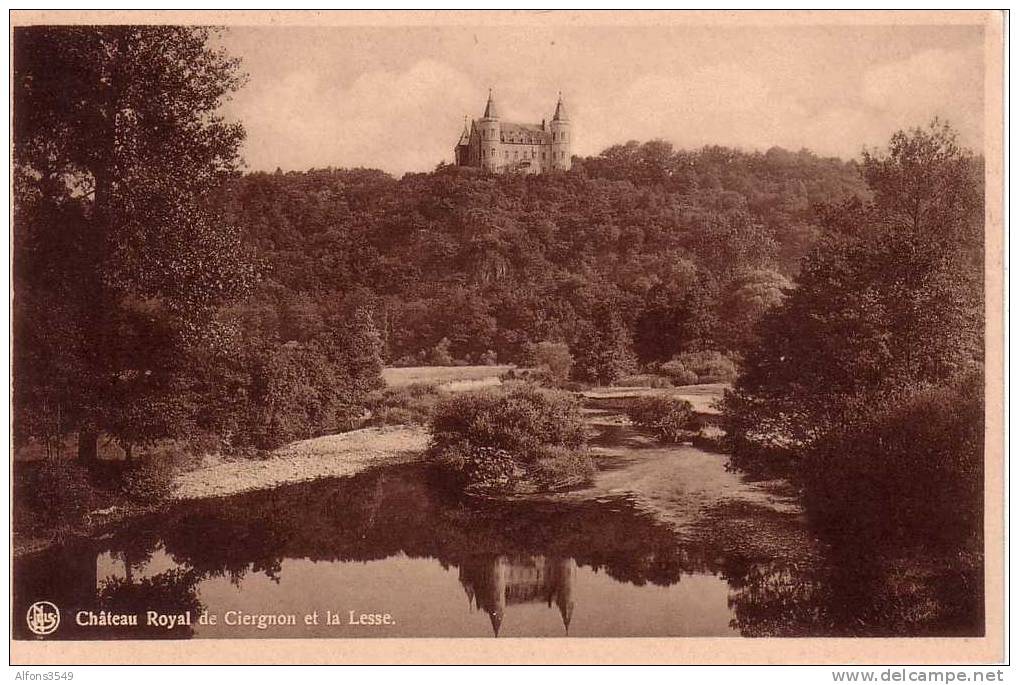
x=644, y=380
x=552, y=357
x=908, y=465
x=700, y=367
x=540, y=377
x=147, y=482
x=440, y=355
x=509, y=439
x=410, y=405
x=57, y=492
x=669, y=418
x=560, y=466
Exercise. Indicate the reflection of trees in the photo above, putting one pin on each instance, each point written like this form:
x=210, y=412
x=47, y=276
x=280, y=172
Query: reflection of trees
x=379, y=514
x=776, y=599
x=172, y=592
x=67, y=576
x=860, y=594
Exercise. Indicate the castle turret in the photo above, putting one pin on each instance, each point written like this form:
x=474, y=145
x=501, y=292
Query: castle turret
x=461, y=151
x=491, y=135
x=561, y=137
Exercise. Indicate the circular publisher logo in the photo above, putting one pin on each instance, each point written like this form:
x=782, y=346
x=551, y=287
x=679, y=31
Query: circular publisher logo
x=43, y=618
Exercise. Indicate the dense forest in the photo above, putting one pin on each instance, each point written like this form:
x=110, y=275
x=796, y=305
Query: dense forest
x=669, y=251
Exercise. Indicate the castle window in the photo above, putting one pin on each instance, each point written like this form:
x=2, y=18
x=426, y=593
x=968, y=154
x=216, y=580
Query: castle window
x=543, y=155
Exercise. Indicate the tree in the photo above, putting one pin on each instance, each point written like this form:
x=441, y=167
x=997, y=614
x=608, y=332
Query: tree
x=119, y=126
x=890, y=298
x=604, y=348
x=745, y=300
x=676, y=319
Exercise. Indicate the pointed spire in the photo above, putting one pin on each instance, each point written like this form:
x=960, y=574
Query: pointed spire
x=496, y=617
x=560, y=109
x=490, y=110
x=465, y=137
x=566, y=611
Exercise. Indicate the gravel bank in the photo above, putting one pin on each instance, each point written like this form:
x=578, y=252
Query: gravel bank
x=329, y=456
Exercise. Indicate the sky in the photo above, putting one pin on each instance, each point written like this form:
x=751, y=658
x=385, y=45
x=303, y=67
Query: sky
x=395, y=98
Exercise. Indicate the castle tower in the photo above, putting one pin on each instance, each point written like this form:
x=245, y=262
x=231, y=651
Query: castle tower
x=562, y=137
x=462, y=148
x=491, y=135
x=567, y=573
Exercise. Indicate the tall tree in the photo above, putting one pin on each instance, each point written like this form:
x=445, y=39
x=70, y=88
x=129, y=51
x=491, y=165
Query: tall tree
x=889, y=299
x=120, y=123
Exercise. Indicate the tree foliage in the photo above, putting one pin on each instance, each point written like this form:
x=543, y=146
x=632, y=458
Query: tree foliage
x=885, y=312
x=504, y=262
x=131, y=317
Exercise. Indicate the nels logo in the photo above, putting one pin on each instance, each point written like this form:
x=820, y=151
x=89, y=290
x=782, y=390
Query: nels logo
x=43, y=618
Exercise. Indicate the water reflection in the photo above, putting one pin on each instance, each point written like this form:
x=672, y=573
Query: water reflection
x=492, y=583
x=394, y=541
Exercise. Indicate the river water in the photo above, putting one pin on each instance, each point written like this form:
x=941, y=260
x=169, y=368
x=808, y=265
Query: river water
x=663, y=542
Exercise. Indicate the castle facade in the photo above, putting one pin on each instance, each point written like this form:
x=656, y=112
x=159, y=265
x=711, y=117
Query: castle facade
x=507, y=147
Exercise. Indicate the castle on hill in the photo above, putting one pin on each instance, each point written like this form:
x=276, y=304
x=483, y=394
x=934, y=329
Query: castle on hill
x=507, y=147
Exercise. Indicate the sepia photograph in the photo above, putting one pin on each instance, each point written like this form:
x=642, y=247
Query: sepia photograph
x=453, y=327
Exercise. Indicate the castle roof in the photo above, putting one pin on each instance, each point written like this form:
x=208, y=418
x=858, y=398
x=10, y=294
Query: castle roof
x=560, y=110
x=490, y=110
x=532, y=134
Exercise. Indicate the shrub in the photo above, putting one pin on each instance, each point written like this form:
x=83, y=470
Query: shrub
x=440, y=355
x=489, y=358
x=561, y=466
x=644, y=380
x=551, y=356
x=508, y=438
x=669, y=418
x=700, y=367
x=536, y=376
x=907, y=465
x=679, y=374
x=58, y=492
x=147, y=482
x=410, y=405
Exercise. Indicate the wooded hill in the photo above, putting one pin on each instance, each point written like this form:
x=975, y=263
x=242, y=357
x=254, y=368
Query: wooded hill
x=672, y=250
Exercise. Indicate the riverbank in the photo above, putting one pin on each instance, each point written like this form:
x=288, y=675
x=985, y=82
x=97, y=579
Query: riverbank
x=328, y=456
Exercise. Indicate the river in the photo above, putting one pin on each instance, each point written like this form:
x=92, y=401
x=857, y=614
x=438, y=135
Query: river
x=664, y=541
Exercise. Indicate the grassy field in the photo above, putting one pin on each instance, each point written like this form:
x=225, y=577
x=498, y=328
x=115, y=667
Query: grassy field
x=458, y=377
